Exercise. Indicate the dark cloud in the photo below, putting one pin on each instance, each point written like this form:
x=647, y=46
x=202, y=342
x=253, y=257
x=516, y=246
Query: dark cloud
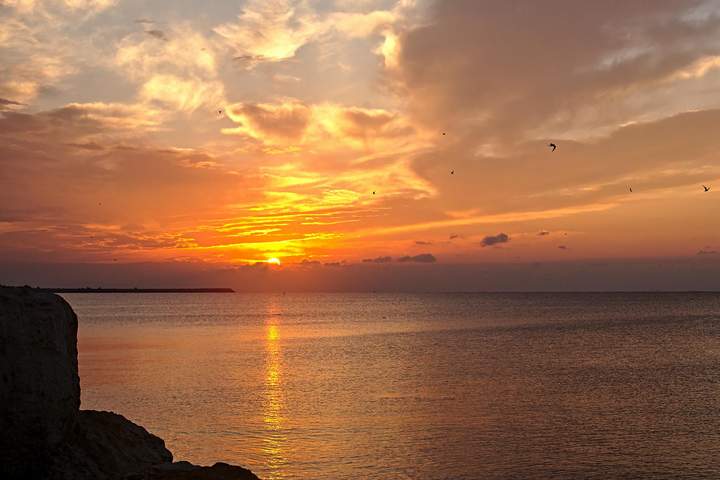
x=494, y=239
x=481, y=66
x=4, y=102
x=454, y=236
x=707, y=252
x=159, y=34
x=309, y=263
x=378, y=260
x=422, y=258
x=590, y=48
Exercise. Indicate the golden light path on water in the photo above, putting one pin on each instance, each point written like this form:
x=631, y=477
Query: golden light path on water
x=275, y=440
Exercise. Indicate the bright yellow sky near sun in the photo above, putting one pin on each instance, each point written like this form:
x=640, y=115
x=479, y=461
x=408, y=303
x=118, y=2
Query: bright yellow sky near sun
x=285, y=132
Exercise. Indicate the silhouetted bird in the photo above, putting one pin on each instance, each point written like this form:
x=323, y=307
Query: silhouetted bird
x=553, y=146
x=373, y=193
x=452, y=172
x=707, y=189
x=630, y=188
x=219, y=112
x=444, y=133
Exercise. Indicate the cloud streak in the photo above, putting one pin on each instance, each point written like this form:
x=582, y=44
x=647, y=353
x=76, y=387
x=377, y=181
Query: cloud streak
x=491, y=240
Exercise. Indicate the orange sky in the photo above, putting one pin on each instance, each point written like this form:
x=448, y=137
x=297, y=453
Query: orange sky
x=228, y=134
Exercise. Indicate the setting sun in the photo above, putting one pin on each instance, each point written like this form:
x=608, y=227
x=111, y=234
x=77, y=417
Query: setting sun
x=274, y=260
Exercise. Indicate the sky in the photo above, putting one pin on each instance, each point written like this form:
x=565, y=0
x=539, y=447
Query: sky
x=360, y=145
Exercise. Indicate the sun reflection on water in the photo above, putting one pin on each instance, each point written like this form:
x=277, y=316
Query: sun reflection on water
x=275, y=438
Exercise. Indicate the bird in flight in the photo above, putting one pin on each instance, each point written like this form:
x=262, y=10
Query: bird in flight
x=707, y=189
x=219, y=112
x=373, y=192
x=452, y=172
x=444, y=133
x=553, y=146
x=630, y=188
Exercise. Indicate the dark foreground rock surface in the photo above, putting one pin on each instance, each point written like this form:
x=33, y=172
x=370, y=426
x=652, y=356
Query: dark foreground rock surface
x=188, y=471
x=106, y=445
x=43, y=433
x=39, y=384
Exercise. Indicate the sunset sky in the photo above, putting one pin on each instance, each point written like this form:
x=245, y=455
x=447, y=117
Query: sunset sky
x=184, y=142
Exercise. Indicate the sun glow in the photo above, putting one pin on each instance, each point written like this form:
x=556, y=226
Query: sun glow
x=273, y=261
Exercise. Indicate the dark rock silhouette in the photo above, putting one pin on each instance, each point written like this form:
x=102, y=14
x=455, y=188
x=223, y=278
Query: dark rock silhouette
x=188, y=471
x=44, y=433
x=106, y=445
x=40, y=394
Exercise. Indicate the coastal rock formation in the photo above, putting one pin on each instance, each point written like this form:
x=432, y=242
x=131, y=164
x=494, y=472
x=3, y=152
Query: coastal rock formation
x=105, y=445
x=40, y=388
x=43, y=433
x=188, y=471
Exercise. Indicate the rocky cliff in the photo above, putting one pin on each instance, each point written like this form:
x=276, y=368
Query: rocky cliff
x=44, y=433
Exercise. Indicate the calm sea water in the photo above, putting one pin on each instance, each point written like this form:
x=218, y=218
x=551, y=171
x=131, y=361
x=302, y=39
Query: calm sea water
x=428, y=386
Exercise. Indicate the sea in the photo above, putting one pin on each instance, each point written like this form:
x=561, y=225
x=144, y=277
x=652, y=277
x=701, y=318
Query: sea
x=415, y=386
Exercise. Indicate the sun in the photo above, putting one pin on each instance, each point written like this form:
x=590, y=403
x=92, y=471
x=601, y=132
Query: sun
x=273, y=260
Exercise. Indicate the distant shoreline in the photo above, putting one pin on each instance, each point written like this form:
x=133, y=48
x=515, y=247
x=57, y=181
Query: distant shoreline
x=138, y=290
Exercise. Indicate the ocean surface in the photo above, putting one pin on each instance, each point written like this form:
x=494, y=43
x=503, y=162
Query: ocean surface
x=405, y=386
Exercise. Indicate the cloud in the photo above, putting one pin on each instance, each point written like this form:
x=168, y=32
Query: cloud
x=181, y=93
x=562, y=247
x=86, y=146
x=5, y=102
x=454, y=236
x=422, y=258
x=180, y=73
x=285, y=121
x=159, y=34
x=326, y=126
x=597, y=53
x=378, y=260
x=495, y=239
x=274, y=30
x=422, y=242
x=706, y=252
x=48, y=7
x=543, y=233
x=33, y=59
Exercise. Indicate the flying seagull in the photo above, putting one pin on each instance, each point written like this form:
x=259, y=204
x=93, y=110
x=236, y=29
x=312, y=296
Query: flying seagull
x=452, y=172
x=707, y=189
x=553, y=146
x=630, y=188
